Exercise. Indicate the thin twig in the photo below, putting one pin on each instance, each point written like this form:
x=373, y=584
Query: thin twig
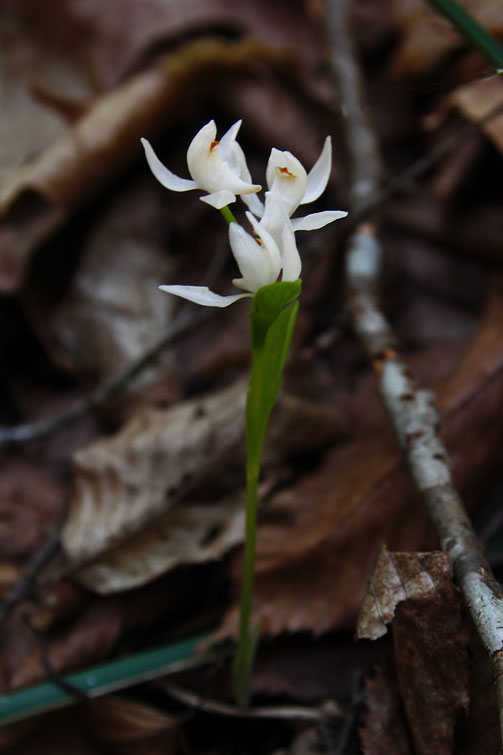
x=381, y=194
x=410, y=409
x=25, y=584
x=283, y=712
x=14, y=436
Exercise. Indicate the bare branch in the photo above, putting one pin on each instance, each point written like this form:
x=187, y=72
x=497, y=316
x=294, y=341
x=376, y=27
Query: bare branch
x=411, y=410
x=291, y=712
x=15, y=436
x=25, y=584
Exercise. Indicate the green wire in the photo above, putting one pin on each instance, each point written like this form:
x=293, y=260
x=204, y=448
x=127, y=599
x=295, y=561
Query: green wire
x=99, y=680
x=471, y=30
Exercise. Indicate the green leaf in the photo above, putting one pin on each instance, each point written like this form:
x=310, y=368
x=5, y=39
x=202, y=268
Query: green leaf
x=273, y=315
x=470, y=28
x=267, y=304
x=98, y=680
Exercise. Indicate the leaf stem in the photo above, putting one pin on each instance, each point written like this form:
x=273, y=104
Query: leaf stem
x=227, y=215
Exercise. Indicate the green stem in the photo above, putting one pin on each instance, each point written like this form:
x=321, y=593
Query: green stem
x=272, y=319
x=246, y=642
x=255, y=441
x=227, y=215
x=471, y=30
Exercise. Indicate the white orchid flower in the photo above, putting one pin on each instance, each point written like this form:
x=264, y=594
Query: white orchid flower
x=218, y=167
x=290, y=186
x=259, y=260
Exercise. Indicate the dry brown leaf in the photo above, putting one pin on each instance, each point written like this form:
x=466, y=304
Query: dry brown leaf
x=89, y=639
x=396, y=577
x=124, y=483
x=56, y=734
x=431, y=666
x=430, y=641
x=29, y=504
x=428, y=37
x=309, y=671
x=131, y=727
x=384, y=730
x=123, y=490
x=188, y=534
x=30, y=60
x=123, y=32
x=113, y=312
x=479, y=99
x=316, y=541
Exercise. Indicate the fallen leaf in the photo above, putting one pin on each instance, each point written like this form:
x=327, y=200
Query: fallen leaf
x=480, y=733
x=415, y=591
x=194, y=438
x=384, y=730
x=91, y=638
x=124, y=483
x=188, y=534
x=113, y=311
x=30, y=503
x=431, y=666
x=477, y=100
x=27, y=60
x=396, y=577
x=132, y=727
x=56, y=734
x=310, y=670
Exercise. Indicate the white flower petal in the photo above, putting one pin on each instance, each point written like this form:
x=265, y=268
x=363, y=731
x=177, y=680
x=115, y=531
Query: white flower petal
x=165, y=177
x=254, y=203
x=292, y=264
x=207, y=167
x=317, y=220
x=228, y=139
x=202, y=295
x=253, y=259
x=319, y=174
x=219, y=199
x=286, y=176
x=269, y=246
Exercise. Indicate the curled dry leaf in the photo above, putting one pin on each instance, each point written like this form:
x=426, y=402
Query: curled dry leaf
x=40, y=195
x=477, y=100
x=430, y=641
x=124, y=486
x=428, y=37
x=396, y=577
x=188, y=534
x=124, y=483
x=119, y=722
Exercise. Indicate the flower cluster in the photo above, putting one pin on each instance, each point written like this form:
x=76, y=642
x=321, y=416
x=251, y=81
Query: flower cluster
x=219, y=168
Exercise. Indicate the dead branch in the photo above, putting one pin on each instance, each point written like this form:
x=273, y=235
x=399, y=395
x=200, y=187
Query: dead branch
x=25, y=584
x=411, y=410
x=20, y=434
x=326, y=712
